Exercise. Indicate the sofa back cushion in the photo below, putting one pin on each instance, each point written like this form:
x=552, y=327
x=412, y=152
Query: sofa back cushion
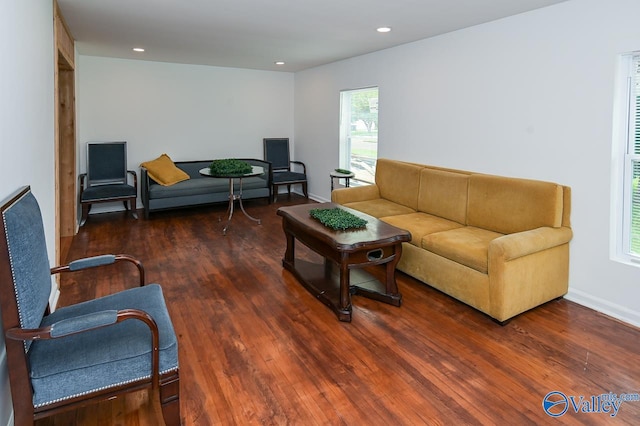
x=509, y=205
x=398, y=182
x=444, y=194
x=192, y=168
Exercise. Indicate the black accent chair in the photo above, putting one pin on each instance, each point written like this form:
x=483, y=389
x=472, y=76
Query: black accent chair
x=107, y=178
x=83, y=353
x=284, y=170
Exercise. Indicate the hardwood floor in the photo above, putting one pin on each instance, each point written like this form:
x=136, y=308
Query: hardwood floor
x=256, y=348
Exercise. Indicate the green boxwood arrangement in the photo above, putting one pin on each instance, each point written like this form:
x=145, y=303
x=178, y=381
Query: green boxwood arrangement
x=337, y=219
x=229, y=166
x=343, y=171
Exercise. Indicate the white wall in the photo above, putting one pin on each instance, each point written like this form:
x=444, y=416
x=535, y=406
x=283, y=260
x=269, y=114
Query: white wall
x=26, y=122
x=190, y=112
x=527, y=96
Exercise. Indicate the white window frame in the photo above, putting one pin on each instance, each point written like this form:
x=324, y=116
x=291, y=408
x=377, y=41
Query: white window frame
x=624, y=127
x=344, y=160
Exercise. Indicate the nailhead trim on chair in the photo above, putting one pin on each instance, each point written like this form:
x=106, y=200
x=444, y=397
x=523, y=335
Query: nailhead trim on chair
x=13, y=276
x=100, y=389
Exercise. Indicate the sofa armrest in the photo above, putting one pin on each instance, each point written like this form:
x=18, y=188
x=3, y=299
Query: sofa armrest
x=527, y=269
x=513, y=246
x=356, y=193
x=145, y=182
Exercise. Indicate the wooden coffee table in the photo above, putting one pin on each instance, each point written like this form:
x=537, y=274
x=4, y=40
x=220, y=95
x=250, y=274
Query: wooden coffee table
x=345, y=254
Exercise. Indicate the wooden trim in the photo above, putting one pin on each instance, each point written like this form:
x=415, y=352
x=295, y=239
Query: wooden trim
x=64, y=41
x=65, y=133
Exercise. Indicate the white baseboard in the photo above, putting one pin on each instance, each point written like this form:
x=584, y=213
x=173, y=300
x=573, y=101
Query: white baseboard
x=607, y=308
x=318, y=198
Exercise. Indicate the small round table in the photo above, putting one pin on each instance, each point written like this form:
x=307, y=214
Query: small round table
x=338, y=175
x=255, y=171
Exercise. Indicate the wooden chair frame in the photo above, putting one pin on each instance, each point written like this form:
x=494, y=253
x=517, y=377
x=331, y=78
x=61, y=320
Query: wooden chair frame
x=167, y=384
x=116, y=184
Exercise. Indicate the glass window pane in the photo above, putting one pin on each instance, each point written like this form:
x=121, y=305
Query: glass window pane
x=359, y=132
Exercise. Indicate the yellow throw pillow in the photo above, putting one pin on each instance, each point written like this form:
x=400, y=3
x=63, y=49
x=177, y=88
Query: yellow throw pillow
x=163, y=171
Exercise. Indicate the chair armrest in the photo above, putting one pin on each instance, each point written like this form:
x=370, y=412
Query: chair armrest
x=355, y=193
x=300, y=163
x=135, y=178
x=82, y=178
x=83, y=323
x=94, y=321
x=519, y=244
x=95, y=261
x=80, y=324
x=144, y=190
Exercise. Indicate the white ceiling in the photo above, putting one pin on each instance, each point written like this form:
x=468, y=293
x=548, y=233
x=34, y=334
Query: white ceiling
x=256, y=33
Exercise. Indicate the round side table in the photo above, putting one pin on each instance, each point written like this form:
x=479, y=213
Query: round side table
x=338, y=175
x=255, y=171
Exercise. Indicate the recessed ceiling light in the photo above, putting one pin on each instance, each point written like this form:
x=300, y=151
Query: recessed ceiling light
x=138, y=49
x=383, y=29
x=279, y=62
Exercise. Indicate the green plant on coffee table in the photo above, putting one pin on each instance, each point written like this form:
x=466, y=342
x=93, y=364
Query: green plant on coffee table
x=337, y=218
x=229, y=166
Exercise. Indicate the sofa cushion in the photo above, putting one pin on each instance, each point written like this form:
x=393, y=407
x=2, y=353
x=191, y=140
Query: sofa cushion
x=379, y=207
x=164, y=171
x=398, y=182
x=420, y=224
x=443, y=193
x=203, y=186
x=467, y=245
x=509, y=205
x=196, y=186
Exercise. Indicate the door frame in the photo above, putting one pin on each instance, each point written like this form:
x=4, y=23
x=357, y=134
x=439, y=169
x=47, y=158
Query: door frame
x=65, y=137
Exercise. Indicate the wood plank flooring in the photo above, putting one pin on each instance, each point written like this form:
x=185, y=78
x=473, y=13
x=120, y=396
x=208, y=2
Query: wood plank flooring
x=257, y=349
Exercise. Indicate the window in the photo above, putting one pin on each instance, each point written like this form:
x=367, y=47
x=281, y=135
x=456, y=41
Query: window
x=628, y=127
x=359, y=132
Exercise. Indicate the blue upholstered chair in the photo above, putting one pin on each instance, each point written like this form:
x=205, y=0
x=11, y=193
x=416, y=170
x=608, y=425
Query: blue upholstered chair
x=107, y=178
x=284, y=170
x=81, y=353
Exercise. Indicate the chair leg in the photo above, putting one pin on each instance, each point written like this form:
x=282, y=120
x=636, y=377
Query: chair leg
x=304, y=190
x=275, y=193
x=85, y=213
x=134, y=212
x=131, y=202
x=170, y=398
x=22, y=414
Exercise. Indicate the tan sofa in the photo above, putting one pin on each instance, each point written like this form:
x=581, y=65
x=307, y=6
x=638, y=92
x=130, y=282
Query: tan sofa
x=496, y=243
